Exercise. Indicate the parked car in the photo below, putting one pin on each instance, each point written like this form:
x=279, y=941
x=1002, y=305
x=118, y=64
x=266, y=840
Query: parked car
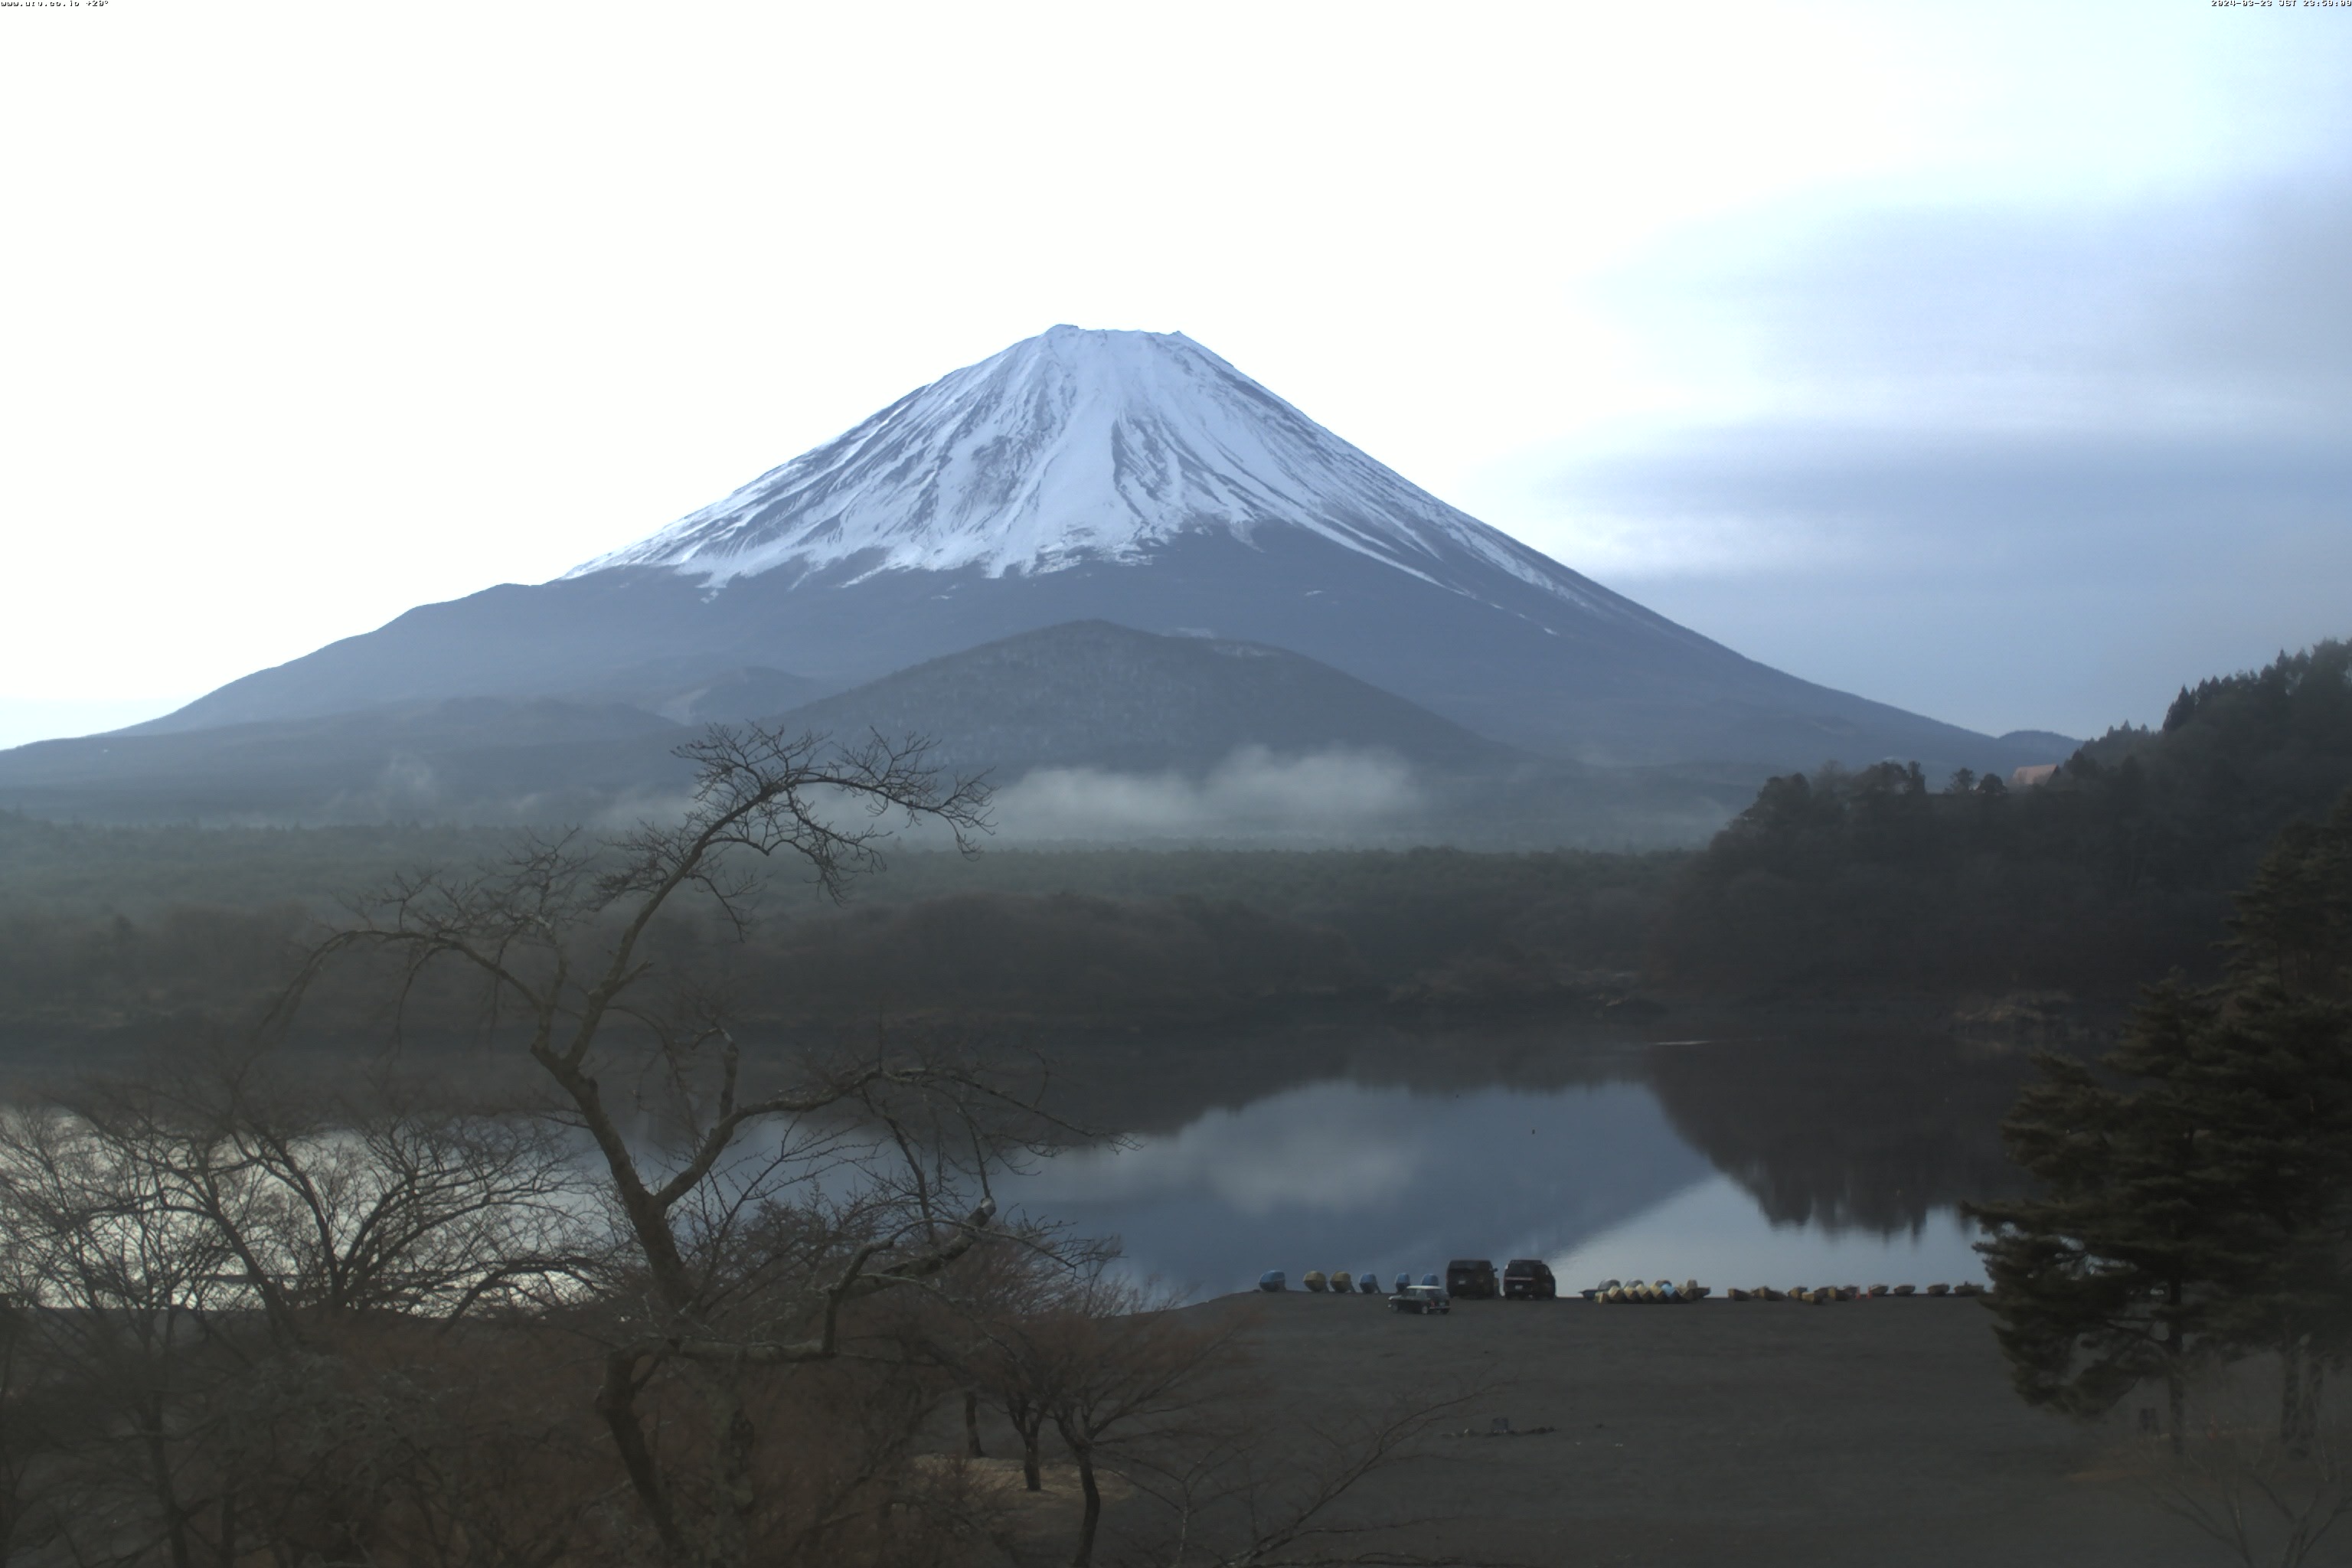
x=1271, y=1279
x=1473, y=1278
x=1529, y=1279
x=1422, y=1299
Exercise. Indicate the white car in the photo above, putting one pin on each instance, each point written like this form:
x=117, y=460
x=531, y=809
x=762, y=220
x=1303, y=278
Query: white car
x=1422, y=1298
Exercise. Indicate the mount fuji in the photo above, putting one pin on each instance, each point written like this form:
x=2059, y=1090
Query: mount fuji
x=1077, y=447
x=1132, y=477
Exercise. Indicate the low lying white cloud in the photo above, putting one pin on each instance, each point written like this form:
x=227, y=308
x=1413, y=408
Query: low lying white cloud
x=1331, y=1148
x=1329, y=794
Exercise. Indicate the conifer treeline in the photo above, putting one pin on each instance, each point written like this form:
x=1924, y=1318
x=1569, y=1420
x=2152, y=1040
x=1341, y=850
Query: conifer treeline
x=2195, y=1198
x=2114, y=869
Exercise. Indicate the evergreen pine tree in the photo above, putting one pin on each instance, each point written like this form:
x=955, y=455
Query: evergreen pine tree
x=2280, y=1087
x=2114, y=1271
x=2275, y=1082
x=2201, y=1204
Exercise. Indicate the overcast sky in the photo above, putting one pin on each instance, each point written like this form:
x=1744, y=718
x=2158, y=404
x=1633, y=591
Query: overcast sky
x=1991, y=360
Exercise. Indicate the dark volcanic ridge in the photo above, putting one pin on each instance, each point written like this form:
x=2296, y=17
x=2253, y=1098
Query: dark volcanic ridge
x=1093, y=694
x=1090, y=731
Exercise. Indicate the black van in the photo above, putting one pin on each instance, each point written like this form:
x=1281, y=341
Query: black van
x=1471, y=1277
x=1529, y=1279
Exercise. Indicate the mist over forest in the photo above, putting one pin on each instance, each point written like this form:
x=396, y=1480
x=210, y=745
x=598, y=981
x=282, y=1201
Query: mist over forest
x=1875, y=881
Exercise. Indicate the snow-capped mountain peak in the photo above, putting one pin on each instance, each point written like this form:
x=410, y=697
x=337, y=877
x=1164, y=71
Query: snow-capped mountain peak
x=1077, y=446
x=1088, y=478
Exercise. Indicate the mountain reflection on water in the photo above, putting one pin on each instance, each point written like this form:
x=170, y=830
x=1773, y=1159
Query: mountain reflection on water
x=1740, y=1164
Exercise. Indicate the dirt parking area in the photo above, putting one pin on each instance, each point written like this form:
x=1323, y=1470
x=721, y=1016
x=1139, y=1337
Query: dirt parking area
x=1759, y=1433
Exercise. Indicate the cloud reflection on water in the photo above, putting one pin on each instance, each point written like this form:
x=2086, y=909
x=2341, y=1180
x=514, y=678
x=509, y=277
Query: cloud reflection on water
x=1342, y=1174
x=1329, y=1147
x=1345, y=1175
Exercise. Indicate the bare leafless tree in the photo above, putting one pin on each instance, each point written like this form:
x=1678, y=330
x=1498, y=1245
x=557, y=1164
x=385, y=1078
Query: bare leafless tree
x=985, y=1327
x=121, y=1289
x=371, y=1193
x=755, y=1216
x=1135, y=1384
x=1117, y=1372
x=209, y=1258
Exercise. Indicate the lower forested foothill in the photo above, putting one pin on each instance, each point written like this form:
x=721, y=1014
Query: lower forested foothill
x=2116, y=868
x=574, y=1198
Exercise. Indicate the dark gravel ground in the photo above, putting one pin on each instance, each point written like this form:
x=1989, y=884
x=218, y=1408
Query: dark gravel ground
x=1763, y=1432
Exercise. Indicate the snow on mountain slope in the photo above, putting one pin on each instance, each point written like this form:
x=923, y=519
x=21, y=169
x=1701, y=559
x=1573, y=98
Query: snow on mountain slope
x=1076, y=447
x=1130, y=478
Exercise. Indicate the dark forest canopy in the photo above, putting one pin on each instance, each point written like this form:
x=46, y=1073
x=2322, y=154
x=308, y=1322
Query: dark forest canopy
x=2113, y=870
x=114, y=928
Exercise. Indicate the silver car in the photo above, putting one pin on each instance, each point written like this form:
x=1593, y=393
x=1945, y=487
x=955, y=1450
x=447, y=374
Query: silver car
x=1422, y=1298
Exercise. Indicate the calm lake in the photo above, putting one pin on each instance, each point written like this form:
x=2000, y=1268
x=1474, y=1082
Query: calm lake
x=1837, y=1163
